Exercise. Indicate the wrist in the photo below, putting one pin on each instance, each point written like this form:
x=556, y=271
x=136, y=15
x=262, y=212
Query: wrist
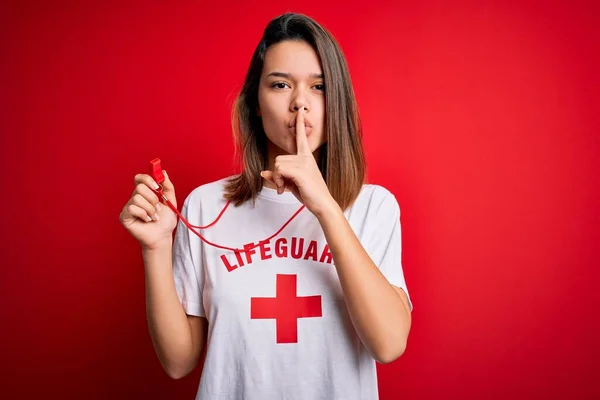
x=160, y=246
x=331, y=209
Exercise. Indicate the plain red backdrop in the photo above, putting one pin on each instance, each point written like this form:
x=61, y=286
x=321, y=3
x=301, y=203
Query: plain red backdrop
x=481, y=117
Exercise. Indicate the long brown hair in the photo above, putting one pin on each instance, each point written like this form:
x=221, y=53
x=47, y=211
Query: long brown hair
x=341, y=160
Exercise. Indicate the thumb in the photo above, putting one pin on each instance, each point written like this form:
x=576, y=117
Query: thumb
x=169, y=189
x=268, y=175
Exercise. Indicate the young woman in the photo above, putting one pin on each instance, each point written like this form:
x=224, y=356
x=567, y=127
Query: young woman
x=303, y=314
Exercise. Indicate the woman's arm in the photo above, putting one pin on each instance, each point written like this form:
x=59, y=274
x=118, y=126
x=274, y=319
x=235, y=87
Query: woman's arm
x=178, y=339
x=379, y=310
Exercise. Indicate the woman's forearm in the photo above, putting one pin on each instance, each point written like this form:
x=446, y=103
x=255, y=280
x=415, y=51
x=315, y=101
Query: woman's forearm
x=167, y=322
x=379, y=313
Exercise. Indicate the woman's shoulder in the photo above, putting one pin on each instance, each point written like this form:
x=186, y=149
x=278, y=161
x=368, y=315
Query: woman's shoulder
x=377, y=199
x=372, y=192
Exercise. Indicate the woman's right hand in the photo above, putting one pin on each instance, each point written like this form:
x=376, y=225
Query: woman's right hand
x=149, y=221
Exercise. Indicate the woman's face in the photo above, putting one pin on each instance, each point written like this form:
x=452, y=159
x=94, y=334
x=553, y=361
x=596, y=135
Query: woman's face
x=291, y=79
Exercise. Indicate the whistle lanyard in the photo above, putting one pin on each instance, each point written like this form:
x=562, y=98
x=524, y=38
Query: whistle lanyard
x=157, y=174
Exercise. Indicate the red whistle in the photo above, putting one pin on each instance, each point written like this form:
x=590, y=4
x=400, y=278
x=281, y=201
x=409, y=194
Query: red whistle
x=156, y=171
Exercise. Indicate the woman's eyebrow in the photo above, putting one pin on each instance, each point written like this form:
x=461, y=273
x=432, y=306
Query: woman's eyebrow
x=290, y=76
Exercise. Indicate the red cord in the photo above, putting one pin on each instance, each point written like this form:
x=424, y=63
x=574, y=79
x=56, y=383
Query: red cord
x=191, y=227
x=157, y=173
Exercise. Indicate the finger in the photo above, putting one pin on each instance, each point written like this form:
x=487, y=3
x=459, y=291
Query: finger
x=302, y=145
x=137, y=212
x=147, y=180
x=148, y=194
x=169, y=189
x=167, y=185
x=145, y=205
x=279, y=176
x=268, y=175
x=279, y=181
x=276, y=177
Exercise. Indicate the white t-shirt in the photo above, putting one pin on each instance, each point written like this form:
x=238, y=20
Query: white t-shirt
x=278, y=325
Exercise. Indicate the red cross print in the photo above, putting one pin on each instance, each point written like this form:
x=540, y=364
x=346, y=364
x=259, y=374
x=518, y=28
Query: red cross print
x=286, y=308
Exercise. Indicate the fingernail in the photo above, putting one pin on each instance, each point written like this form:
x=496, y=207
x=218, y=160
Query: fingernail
x=154, y=185
x=158, y=207
x=261, y=174
x=165, y=173
x=149, y=218
x=156, y=217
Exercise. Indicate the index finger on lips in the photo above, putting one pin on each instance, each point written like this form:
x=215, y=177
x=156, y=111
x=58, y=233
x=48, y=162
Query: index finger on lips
x=302, y=146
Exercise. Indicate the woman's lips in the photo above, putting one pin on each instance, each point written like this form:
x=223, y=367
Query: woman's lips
x=308, y=129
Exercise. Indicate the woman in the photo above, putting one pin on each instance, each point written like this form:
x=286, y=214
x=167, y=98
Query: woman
x=303, y=314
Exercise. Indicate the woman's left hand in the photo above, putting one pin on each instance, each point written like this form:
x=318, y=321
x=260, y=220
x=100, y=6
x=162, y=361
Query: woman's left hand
x=301, y=175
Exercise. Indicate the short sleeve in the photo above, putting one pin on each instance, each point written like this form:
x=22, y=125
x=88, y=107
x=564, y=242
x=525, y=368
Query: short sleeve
x=187, y=272
x=384, y=244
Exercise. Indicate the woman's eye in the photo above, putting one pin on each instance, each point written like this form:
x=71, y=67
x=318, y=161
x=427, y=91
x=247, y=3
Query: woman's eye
x=282, y=85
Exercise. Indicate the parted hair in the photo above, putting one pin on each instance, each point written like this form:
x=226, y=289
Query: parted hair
x=341, y=160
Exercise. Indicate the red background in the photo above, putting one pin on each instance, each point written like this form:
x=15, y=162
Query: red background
x=481, y=117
